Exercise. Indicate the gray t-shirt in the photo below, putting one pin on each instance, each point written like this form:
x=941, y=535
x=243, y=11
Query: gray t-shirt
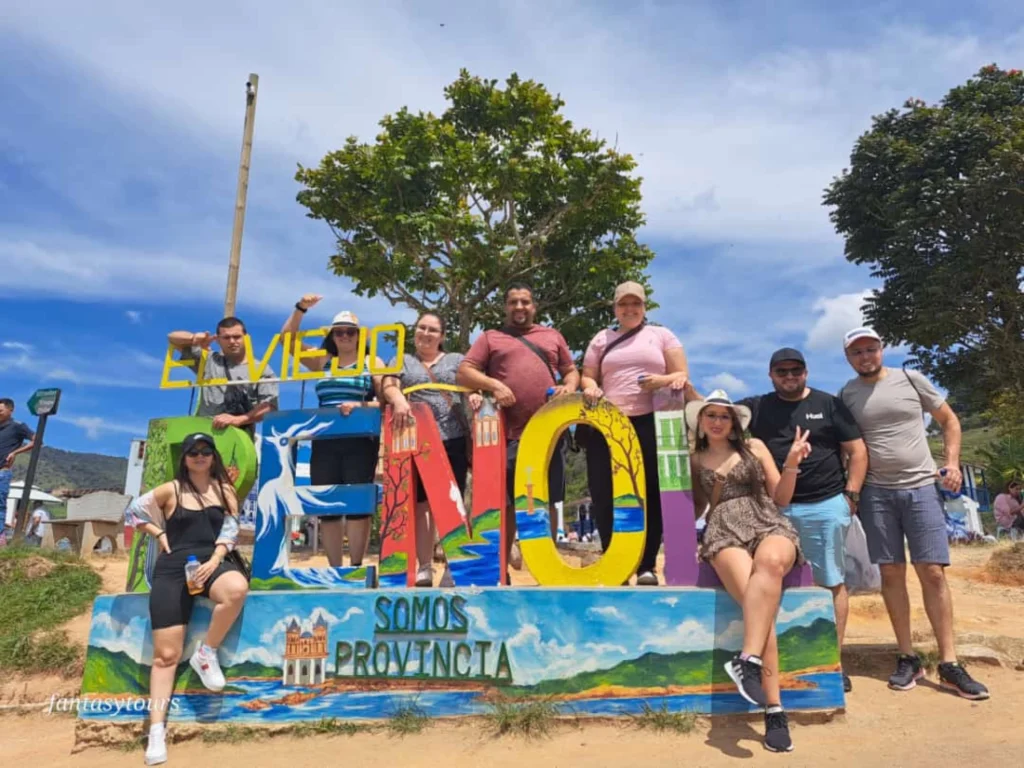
x=451, y=419
x=211, y=401
x=890, y=414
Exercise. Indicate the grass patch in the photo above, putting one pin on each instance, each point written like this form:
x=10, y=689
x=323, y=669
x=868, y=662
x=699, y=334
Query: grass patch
x=661, y=720
x=532, y=719
x=929, y=659
x=134, y=744
x=42, y=589
x=408, y=719
x=328, y=726
x=233, y=734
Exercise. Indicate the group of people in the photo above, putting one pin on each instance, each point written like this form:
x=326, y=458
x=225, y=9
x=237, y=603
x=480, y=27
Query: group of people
x=779, y=475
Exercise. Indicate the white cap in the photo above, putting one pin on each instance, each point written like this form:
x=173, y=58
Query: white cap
x=859, y=333
x=345, y=318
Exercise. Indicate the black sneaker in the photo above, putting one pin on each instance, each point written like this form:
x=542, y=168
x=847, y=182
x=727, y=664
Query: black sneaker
x=908, y=672
x=746, y=673
x=954, y=677
x=847, y=683
x=776, y=730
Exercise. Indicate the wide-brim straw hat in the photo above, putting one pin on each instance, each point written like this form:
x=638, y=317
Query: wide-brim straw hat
x=718, y=397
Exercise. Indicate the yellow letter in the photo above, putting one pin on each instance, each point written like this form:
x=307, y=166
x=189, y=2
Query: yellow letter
x=399, y=329
x=170, y=363
x=256, y=373
x=299, y=354
x=337, y=372
x=628, y=488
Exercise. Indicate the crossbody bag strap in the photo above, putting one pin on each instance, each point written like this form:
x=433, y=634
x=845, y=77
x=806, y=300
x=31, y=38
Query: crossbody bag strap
x=537, y=351
x=624, y=337
x=430, y=375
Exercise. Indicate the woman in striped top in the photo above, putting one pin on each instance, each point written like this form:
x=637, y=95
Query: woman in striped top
x=341, y=460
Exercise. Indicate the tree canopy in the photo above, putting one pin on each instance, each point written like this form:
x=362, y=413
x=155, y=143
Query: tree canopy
x=440, y=213
x=933, y=201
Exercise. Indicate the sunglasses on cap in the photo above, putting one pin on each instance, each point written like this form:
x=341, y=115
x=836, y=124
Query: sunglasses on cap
x=197, y=452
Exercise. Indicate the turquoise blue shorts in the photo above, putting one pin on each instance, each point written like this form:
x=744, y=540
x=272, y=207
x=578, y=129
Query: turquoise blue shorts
x=822, y=527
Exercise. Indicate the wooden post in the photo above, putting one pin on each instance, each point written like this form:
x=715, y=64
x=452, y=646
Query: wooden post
x=243, y=187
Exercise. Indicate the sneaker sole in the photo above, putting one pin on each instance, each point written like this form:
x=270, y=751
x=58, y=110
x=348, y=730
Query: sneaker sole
x=962, y=694
x=910, y=686
x=192, y=663
x=770, y=748
x=156, y=760
x=739, y=686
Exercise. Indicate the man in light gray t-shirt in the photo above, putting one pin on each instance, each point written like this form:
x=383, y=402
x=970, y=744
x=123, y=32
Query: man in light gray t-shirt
x=900, y=505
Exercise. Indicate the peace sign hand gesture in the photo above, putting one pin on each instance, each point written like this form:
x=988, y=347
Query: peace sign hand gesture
x=800, y=449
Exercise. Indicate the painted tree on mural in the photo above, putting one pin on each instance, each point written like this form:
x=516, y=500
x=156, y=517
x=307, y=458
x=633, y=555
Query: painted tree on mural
x=397, y=493
x=621, y=434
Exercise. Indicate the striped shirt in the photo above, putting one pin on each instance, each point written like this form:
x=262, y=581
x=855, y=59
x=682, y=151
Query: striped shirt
x=346, y=389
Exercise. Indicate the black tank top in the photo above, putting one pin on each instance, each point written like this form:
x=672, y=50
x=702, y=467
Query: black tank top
x=189, y=529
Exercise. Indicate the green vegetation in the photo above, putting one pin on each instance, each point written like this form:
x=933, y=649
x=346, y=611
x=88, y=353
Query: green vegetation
x=41, y=590
x=407, y=719
x=661, y=720
x=233, y=734
x=327, y=726
x=976, y=442
x=115, y=672
x=70, y=469
x=531, y=719
x=273, y=583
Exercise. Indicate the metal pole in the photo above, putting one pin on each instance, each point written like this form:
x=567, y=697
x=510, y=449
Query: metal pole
x=30, y=476
x=243, y=187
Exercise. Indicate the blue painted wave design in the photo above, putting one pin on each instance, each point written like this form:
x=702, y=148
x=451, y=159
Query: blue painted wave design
x=628, y=519
x=483, y=570
x=535, y=526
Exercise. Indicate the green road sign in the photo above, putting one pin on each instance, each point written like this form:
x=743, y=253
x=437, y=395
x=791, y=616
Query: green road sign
x=44, y=402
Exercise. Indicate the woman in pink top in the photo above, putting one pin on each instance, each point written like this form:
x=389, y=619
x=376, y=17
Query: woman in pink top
x=628, y=366
x=1008, y=507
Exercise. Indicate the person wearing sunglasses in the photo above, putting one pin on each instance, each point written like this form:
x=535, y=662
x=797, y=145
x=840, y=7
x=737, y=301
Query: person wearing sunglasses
x=825, y=496
x=431, y=364
x=341, y=460
x=196, y=514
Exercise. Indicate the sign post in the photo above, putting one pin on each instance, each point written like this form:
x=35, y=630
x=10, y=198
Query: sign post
x=43, y=403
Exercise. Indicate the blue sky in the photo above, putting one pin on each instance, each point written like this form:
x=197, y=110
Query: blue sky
x=121, y=133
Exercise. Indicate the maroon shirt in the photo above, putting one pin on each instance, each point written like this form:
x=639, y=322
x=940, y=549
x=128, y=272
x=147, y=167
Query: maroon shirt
x=505, y=358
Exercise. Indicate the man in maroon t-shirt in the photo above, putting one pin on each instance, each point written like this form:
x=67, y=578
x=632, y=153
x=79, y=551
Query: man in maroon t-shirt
x=508, y=364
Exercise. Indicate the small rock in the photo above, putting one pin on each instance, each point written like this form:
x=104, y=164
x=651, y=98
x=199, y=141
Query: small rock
x=979, y=654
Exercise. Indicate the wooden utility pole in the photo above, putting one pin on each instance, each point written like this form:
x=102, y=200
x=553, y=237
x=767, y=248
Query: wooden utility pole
x=243, y=188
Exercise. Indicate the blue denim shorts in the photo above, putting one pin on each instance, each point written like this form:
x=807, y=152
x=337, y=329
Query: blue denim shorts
x=892, y=516
x=822, y=527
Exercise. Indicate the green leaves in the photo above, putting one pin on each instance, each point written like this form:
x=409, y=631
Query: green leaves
x=441, y=212
x=934, y=203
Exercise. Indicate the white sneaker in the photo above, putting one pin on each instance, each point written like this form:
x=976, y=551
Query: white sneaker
x=207, y=666
x=646, y=579
x=156, y=746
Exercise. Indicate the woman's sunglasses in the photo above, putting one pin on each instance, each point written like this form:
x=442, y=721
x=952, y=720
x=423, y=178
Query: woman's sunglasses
x=197, y=452
x=345, y=333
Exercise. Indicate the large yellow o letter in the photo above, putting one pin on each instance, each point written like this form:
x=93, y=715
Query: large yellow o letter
x=628, y=488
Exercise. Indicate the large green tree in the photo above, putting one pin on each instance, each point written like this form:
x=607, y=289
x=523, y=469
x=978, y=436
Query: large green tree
x=441, y=212
x=933, y=201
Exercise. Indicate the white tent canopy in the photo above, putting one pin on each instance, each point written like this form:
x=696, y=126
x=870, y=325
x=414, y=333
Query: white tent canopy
x=36, y=494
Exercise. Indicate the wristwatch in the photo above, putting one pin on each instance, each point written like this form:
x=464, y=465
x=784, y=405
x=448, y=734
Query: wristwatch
x=853, y=496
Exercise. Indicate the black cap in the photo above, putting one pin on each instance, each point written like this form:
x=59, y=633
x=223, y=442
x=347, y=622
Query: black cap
x=196, y=437
x=787, y=354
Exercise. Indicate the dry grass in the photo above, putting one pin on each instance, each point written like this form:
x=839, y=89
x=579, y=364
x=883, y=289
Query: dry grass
x=1006, y=566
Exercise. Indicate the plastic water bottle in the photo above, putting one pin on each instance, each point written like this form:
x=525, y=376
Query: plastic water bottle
x=191, y=566
x=948, y=495
x=550, y=392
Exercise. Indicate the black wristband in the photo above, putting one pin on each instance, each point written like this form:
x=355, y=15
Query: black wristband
x=300, y=308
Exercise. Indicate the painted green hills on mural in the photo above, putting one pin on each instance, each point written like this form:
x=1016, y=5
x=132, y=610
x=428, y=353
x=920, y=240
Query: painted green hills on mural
x=115, y=672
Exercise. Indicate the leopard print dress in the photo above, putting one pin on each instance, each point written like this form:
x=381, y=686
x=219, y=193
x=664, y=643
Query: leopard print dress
x=745, y=514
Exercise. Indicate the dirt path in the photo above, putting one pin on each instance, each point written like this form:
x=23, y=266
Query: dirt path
x=924, y=727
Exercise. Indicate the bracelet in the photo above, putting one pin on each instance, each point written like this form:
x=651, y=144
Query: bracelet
x=300, y=308
x=794, y=470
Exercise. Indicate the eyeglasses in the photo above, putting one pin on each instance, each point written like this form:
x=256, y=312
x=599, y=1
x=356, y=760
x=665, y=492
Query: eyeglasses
x=345, y=333
x=197, y=452
x=873, y=350
x=427, y=329
x=717, y=417
x=784, y=372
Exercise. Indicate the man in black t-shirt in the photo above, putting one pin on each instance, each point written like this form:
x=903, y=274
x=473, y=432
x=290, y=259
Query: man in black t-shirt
x=15, y=439
x=826, y=495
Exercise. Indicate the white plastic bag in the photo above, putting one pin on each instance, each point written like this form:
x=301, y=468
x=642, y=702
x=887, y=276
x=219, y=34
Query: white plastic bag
x=861, y=574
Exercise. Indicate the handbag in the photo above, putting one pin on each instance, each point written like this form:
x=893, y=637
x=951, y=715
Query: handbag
x=237, y=559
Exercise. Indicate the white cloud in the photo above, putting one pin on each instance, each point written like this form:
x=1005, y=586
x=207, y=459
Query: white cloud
x=734, y=385
x=669, y=601
x=258, y=654
x=275, y=634
x=605, y=648
x=606, y=612
x=693, y=635
x=836, y=315
x=19, y=346
x=134, y=316
x=131, y=638
x=809, y=606
x=480, y=622
x=97, y=426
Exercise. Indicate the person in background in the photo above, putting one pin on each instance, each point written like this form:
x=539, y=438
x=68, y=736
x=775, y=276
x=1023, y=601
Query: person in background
x=749, y=543
x=431, y=364
x=37, y=525
x=15, y=439
x=1008, y=507
x=518, y=365
x=236, y=405
x=627, y=366
x=342, y=460
x=825, y=497
x=900, y=506
x=196, y=515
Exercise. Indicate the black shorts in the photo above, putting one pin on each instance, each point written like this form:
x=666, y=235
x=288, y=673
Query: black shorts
x=343, y=461
x=458, y=457
x=170, y=604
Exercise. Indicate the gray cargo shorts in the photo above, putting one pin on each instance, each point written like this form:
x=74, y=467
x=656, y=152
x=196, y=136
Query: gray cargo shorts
x=890, y=515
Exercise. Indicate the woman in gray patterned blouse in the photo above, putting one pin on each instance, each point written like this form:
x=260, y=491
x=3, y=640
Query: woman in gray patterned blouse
x=432, y=365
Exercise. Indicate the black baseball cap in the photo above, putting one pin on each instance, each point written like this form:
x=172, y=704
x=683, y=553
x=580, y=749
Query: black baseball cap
x=196, y=437
x=787, y=354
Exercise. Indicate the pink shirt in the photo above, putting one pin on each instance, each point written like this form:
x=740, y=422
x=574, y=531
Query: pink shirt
x=1005, y=508
x=644, y=353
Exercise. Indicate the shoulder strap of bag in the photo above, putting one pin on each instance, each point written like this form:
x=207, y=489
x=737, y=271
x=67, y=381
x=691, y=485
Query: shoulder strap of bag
x=537, y=351
x=624, y=337
x=430, y=375
x=910, y=381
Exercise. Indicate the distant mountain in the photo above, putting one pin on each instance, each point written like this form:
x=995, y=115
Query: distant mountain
x=115, y=672
x=70, y=469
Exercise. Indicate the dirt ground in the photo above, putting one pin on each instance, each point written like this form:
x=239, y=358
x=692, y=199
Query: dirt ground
x=926, y=726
